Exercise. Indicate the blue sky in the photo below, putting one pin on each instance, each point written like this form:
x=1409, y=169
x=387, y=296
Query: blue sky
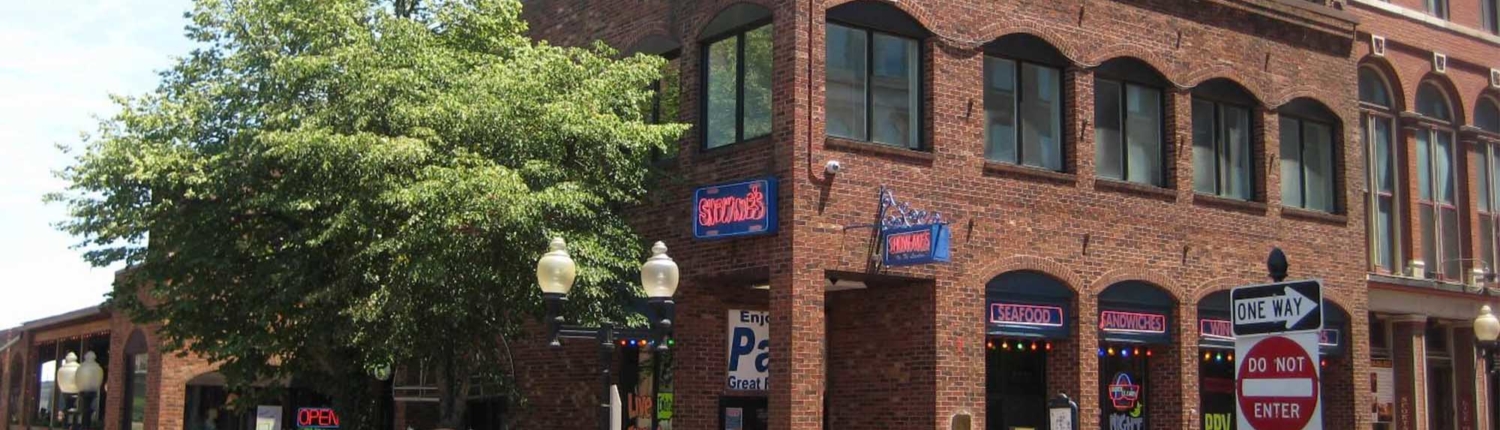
x=59, y=62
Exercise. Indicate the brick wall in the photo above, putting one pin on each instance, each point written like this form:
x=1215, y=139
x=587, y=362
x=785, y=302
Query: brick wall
x=1088, y=232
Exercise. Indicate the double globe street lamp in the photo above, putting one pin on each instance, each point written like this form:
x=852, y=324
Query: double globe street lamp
x=555, y=273
x=81, y=381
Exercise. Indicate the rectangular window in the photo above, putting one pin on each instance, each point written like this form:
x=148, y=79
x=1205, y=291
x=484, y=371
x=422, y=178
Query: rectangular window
x=1489, y=14
x=1039, y=128
x=1307, y=176
x=1438, y=212
x=1438, y=8
x=872, y=83
x=738, y=86
x=1489, y=206
x=1127, y=132
x=1221, y=150
x=1384, y=228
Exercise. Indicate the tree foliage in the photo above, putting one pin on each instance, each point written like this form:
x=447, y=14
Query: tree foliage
x=325, y=187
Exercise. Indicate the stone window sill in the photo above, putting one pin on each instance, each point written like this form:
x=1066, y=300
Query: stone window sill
x=1138, y=189
x=1315, y=216
x=1236, y=205
x=995, y=168
x=871, y=148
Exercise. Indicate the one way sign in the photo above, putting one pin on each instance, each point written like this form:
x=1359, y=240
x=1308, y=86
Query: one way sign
x=1283, y=307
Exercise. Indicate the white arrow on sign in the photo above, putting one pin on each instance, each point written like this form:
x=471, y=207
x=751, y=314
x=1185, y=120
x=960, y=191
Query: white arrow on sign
x=1288, y=308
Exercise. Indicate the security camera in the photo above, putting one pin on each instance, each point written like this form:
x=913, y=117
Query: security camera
x=833, y=167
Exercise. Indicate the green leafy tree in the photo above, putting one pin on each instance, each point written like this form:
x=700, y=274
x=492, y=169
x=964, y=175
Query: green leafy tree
x=324, y=188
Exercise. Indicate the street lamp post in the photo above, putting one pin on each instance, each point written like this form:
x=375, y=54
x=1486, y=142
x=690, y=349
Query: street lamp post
x=89, y=377
x=555, y=273
x=1486, y=332
x=67, y=383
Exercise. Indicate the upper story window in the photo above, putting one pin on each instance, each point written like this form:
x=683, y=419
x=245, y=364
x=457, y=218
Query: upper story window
x=1377, y=129
x=1487, y=115
x=1309, y=151
x=737, y=76
x=1489, y=15
x=873, y=73
x=1223, y=162
x=1128, y=122
x=1437, y=185
x=1438, y=8
x=1023, y=102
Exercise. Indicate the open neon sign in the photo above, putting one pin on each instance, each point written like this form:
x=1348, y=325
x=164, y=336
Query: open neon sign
x=317, y=418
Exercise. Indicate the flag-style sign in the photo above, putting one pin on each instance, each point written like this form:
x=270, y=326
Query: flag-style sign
x=1284, y=307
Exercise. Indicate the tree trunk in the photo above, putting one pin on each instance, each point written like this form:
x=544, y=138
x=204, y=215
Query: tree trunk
x=453, y=391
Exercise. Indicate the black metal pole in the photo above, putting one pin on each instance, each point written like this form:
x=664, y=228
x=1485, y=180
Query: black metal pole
x=606, y=355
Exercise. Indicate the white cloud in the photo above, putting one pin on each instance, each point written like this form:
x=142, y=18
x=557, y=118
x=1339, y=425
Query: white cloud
x=59, y=61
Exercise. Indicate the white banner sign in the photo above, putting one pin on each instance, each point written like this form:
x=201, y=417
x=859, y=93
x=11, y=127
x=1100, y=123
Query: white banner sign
x=749, y=350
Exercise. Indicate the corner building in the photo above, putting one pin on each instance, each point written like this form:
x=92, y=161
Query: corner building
x=1105, y=172
x=1428, y=92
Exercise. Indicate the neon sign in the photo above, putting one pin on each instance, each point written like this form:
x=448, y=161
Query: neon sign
x=739, y=209
x=1216, y=329
x=1328, y=337
x=1132, y=322
x=1032, y=315
x=1123, y=393
x=317, y=418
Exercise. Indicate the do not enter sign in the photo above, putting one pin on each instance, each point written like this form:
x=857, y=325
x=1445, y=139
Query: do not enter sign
x=1278, y=384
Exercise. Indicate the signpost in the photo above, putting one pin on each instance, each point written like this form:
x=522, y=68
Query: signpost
x=1277, y=328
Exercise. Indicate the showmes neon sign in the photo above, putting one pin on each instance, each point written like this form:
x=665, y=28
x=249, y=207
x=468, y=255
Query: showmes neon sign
x=739, y=209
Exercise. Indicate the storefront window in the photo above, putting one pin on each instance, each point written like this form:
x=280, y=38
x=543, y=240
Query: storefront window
x=51, y=408
x=1216, y=363
x=1134, y=318
x=1028, y=312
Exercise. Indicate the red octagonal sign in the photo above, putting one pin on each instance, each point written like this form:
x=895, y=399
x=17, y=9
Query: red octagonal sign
x=1278, y=385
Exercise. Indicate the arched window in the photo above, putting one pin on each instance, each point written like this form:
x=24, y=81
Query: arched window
x=1028, y=312
x=873, y=72
x=1372, y=88
x=1309, y=154
x=1023, y=102
x=1128, y=122
x=1223, y=126
x=1377, y=113
x=137, y=364
x=737, y=75
x=1437, y=184
x=1487, y=115
x=1487, y=118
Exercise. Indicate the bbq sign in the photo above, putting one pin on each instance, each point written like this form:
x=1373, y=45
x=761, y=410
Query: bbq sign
x=918, y=244
x=739, y=209
x=317, y=418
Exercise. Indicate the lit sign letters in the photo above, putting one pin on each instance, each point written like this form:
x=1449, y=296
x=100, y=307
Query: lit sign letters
x=1132, y=322
x=1018, y=314
x=918, y=244
x=739, y=209
x=317, y=418
x=1328, y=337
x=1216, y=329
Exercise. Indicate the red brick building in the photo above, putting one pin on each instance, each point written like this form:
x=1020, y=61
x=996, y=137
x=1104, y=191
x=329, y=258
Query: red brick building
x=1428, y=94
x=143, y=388
x=1106, y=171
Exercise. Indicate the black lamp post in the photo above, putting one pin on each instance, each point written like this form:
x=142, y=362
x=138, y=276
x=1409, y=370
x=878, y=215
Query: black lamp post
x=555, y=273
x=1276, y=265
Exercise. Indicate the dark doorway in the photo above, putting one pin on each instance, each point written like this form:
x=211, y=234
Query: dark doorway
x=1016, y=382
x=744, y=413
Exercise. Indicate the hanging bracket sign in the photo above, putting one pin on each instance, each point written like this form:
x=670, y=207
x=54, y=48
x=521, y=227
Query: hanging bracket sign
x=909, y=236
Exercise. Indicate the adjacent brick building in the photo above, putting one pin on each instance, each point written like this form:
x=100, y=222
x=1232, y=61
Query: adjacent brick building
x=1428, y=93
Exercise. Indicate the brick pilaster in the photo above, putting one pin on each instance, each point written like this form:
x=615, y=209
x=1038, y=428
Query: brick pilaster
x=1409, y=350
